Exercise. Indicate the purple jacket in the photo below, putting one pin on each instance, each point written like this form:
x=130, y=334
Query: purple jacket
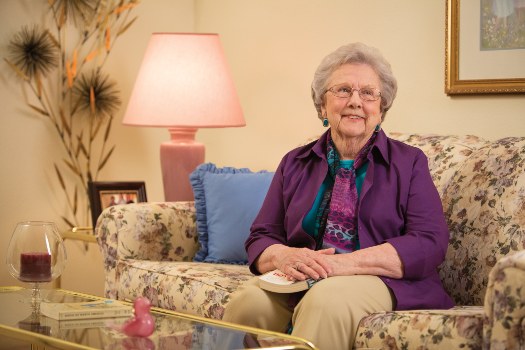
x=398, y=204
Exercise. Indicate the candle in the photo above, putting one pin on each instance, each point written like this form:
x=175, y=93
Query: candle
x=35, y=267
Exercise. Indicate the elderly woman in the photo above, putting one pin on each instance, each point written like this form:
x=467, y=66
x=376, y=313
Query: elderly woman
x=354, y=208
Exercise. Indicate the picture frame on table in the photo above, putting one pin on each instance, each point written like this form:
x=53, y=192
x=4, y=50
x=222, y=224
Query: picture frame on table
x=485, y=47
x=106, y=194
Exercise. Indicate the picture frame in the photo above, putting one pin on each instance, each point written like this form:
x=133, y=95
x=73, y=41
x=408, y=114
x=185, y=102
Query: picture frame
x=488, y=79
x=105, y=194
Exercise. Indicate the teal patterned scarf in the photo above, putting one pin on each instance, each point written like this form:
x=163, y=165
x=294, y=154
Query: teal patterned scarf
x=337, y=213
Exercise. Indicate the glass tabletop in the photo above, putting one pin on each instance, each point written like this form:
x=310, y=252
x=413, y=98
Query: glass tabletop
x=172, y=330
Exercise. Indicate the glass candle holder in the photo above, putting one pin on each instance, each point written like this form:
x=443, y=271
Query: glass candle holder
x=36, y=254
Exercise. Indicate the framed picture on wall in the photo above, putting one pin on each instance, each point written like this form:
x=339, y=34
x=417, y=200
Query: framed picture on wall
x=485, y=47
x=106, y=194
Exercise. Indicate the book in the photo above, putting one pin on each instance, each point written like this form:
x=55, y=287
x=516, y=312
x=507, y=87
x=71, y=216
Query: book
x=86, y=310
x=276, y=281
x=57, y=325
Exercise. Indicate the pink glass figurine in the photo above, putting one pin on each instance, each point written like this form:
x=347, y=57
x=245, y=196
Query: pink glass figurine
x=142, y=324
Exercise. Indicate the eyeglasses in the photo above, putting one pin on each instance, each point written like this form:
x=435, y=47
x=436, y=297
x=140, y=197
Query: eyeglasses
x=365, y=93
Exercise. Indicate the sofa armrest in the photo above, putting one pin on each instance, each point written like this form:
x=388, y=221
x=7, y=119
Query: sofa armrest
x=146, y=231
x=505, y=303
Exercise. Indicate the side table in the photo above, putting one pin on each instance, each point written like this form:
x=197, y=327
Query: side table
x=84, y=271
x=84, y=234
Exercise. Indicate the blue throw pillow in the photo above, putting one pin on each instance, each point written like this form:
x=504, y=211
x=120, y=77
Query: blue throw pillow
x=227, y=201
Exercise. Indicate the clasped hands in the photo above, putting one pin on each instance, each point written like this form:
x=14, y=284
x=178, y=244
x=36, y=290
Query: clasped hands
x=303, y=263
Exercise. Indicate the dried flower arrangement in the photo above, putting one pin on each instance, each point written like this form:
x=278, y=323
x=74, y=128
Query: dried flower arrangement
x=62, y=67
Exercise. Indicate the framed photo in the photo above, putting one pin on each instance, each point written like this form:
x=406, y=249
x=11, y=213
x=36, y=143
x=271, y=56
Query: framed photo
x=485, y=47
x=106, y=194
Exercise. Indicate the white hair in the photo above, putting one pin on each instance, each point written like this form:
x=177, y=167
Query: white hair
x=354, y=53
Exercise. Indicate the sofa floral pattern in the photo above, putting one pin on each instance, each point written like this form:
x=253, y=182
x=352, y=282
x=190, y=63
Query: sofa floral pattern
x=148, y=250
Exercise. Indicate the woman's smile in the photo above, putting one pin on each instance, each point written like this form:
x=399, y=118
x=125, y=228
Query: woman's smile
x=352, y=116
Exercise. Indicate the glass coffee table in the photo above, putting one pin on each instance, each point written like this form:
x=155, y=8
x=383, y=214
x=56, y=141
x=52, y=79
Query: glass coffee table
x=173, y=330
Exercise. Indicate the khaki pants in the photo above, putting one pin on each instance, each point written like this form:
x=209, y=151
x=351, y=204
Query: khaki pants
x=328, y=315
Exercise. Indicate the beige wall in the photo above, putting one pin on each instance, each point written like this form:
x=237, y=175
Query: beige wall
x=273, y=47
x=29, y=145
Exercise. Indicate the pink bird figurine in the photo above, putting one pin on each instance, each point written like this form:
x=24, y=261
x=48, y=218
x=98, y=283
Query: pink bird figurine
x=142, y=324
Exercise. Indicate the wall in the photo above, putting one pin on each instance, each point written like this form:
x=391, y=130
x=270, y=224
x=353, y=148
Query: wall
x=273, y=47
x=29, y=145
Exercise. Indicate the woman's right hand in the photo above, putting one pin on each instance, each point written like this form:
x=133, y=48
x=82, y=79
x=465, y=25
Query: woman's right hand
x=297, y=263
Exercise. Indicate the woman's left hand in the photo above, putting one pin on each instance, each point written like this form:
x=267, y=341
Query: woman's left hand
x=379, y=260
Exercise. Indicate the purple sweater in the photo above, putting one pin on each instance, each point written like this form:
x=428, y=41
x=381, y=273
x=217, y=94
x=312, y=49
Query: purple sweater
x=398, y=204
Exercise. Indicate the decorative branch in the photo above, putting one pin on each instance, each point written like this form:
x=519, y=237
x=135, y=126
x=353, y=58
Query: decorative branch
x=70, y=89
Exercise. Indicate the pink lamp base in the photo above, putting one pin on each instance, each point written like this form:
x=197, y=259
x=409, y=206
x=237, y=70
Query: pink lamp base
x=178, y=158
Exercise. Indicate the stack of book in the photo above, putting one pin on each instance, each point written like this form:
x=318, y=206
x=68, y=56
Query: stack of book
x=278, y=282
x=86, y=310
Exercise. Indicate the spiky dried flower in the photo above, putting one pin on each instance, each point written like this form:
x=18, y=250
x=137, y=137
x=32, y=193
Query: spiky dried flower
x=33, y=51
x=97, y=96
x=80, y=11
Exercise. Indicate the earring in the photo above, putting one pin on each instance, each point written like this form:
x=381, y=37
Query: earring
x=378, y=127
x=325, y=122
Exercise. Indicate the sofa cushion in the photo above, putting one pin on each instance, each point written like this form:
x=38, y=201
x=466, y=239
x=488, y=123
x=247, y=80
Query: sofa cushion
x=227, y=201
x=485, y=210
x=189, y=287
x=445, y=154
x=457, y=328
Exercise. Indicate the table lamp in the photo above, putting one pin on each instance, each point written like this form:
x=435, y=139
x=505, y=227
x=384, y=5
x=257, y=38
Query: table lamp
x=183, y=84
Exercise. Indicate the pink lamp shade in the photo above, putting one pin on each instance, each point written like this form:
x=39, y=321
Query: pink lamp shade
x=183, y=84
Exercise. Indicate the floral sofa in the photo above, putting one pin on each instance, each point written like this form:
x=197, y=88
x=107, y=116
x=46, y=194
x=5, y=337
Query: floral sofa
x=148, y=250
